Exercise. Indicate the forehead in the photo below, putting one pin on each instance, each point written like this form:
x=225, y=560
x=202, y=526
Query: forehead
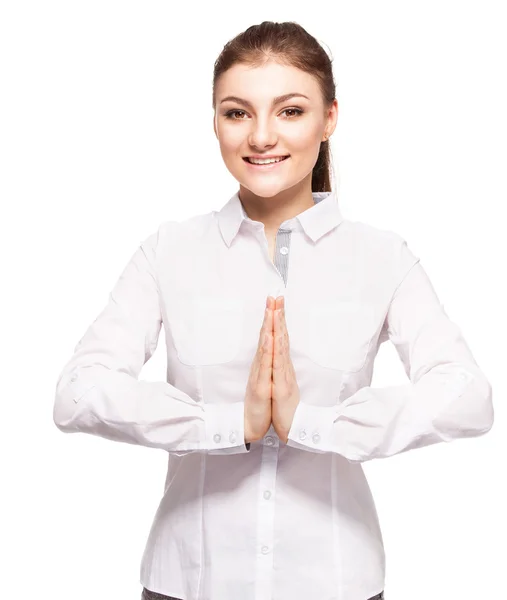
x=266, y=81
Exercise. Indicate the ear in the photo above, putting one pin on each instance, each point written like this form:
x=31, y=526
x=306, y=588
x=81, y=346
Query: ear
x=215, y=125
x=332, y=117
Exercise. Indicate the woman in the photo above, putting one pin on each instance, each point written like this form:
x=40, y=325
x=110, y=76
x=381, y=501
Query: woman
x=274, y=309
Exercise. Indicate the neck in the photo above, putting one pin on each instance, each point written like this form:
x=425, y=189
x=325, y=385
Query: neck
x=276, y=209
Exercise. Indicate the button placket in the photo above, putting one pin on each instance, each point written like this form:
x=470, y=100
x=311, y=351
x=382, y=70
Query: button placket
x=281, y=258
x=266, y=505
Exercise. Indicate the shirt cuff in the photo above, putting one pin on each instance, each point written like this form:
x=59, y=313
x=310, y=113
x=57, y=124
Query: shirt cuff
x=225, y=428
x=312, y=428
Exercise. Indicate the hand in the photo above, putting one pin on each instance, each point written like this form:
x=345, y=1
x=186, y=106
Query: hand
x=258, y=392
x=285, y=391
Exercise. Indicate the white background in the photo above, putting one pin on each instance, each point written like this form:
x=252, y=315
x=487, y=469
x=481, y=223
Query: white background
x=106, y=131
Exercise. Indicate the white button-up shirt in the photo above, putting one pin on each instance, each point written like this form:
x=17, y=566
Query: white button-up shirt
x=293, y=521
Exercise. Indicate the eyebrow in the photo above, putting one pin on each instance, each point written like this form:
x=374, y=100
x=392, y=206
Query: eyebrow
x=276, y=100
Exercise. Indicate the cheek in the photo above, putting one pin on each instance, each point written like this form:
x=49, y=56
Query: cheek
x=304, y=138
x=230, y=138
x=231, y=151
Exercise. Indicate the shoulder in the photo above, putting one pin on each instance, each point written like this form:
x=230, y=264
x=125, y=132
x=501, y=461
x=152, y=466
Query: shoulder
x=384, y=250
x=371, y=237
x=173, y=233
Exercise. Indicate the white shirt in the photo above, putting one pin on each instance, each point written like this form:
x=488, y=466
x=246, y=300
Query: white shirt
x=293, y=521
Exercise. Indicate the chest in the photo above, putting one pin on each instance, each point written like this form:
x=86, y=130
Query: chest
x=213, y=306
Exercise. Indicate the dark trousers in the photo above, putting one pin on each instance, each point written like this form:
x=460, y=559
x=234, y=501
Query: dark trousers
x=148, y=595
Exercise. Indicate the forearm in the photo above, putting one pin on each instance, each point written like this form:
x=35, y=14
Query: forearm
x=114, y=405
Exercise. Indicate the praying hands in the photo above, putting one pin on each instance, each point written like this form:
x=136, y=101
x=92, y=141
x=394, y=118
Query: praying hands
x=272, y=394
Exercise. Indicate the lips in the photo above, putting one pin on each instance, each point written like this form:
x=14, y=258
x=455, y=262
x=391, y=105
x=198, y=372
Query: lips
x=247, y=159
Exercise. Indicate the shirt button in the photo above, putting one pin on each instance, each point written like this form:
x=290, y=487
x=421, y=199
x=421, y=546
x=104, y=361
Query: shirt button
x=463, y=376
x=217, y=437
x=269, y=441
x=265, y=549
x=284, y=250
x=74, y=377
x=316, y=438
x=302, y=434
x=232, y=438
x=267, y=494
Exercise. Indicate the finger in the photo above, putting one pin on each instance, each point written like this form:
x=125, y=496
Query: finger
x=278, y=354
x=269, y=323
x=281, y=339
x=283, y=322
x=262, y=364
x=262, y=347
x=280, y=327
x=266, y=329
x=280, y=305
x=283, y=326
x=266, y=357
x=267, y=333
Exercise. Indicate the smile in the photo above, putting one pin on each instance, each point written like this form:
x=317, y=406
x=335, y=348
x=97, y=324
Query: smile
x=270, y=164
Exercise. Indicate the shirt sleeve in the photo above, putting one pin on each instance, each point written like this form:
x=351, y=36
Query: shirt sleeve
x=99, y=391
x=448, y=396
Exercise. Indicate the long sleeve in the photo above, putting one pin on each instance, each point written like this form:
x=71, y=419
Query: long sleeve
x=98, y=390
x=448, y=396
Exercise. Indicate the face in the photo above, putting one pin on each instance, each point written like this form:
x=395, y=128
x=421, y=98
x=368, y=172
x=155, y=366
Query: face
x=252, y=125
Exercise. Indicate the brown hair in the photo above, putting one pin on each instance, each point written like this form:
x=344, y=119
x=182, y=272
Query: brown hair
x=287, y=43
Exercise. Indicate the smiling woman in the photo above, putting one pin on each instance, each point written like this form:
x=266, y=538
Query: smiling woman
x=273, y=308
x=274, y=98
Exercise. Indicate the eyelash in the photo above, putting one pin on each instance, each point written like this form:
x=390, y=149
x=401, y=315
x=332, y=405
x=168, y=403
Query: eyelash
x=228, y=115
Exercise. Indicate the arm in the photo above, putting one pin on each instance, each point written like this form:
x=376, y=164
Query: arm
x=448, y=396
x=98, y=390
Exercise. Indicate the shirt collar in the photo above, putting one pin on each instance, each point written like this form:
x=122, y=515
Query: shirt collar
x=314, y=221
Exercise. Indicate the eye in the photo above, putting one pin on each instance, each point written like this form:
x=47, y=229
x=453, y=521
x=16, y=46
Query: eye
x=230, y=113
x=298, y=112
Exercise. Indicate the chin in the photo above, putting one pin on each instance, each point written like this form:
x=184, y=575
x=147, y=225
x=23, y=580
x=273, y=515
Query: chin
x=265, y=191
x=267, y=187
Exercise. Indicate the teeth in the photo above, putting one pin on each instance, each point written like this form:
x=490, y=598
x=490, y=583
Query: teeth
x=265, y=161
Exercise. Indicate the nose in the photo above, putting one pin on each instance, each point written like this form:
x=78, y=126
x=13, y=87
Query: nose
x=262, y=134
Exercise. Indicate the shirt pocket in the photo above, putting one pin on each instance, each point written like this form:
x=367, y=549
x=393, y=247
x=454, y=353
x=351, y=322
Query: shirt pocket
x=339, y=334
x=207, y=329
